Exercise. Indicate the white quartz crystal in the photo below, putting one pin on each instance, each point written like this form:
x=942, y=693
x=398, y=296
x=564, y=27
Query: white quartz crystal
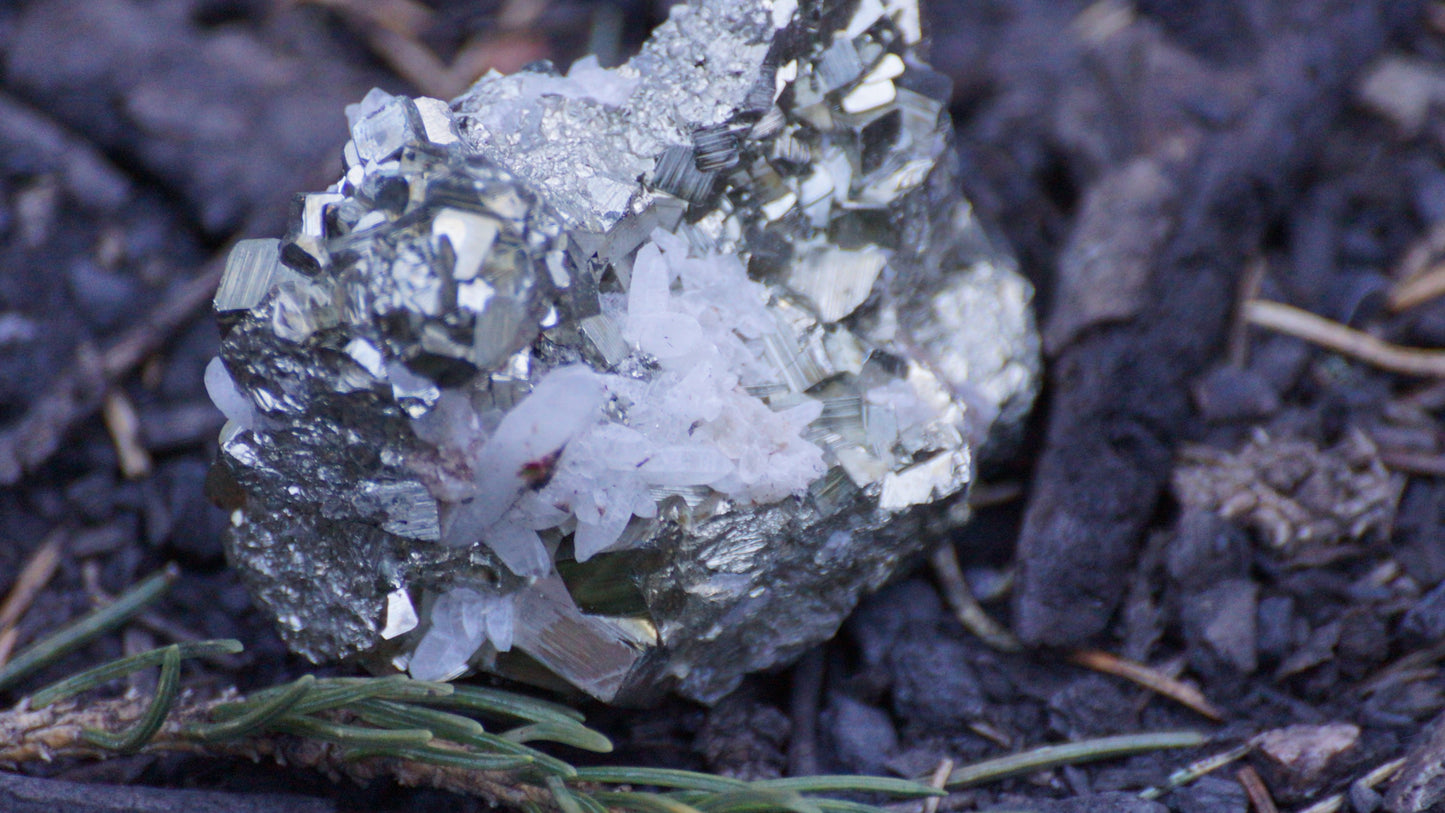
x=556, y=460
x=462, y=619
x=227, y=396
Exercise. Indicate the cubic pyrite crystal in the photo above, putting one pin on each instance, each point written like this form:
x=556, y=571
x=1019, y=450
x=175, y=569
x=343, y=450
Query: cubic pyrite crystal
x=626, y=380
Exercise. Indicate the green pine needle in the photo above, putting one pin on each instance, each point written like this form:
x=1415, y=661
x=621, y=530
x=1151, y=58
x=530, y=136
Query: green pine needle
x=51, y=648
x=643, y=802
x=91, y=678
x=155, y=714
x=902, y=788
x=562, y=796
x=1072, y=753
x=354, y=735
x=661, y=778
x=573, y=734
x=446, y=758
x=390, y=714
x=756, y=799
x=507, y=705
x=256, y=717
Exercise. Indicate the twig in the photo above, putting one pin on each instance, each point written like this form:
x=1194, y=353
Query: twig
x=1418, y=290
x=123, y=424
x=803, y=703
x=98, y=622
x=988, y=495
x=1421, y=660
x=1255, y=788
x=965, y=607
x=1119, y=395
x=940, y=776
x=393, y=29
x=1420, y=276
x=58, y=731
x=1237, y=344
x=1331, y=804
x=1152, y=679
x=1302, y=324
x=32, y=579
x=1197, y=769
x=1053, y=756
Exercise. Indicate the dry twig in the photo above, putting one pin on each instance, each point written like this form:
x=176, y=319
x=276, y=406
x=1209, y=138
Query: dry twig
x=1237, y=341
x=1421, y=275
x=1332, y=804
x=1259, y=796
x=1197, y=769
x=1347, y=341
x=939, y=778
x=1177, y=690
x=393, y=29
x=124, y=426
x=965, y=607
x=44, y=561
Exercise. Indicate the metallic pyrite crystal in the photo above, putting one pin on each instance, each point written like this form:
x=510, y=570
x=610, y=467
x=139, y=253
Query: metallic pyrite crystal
x=626, y=380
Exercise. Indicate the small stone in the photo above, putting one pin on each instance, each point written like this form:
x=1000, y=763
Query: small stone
x=1225, y=617
x=1304, y=753
x=862, y=736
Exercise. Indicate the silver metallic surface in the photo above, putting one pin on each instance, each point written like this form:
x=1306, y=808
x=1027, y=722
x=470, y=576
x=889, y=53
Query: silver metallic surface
x=407, y=501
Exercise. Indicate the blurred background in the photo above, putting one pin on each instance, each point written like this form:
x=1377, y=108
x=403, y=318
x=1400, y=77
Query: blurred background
x=139, y=138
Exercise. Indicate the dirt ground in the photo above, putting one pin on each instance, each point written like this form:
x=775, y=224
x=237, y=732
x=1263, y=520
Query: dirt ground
x=1239, y=502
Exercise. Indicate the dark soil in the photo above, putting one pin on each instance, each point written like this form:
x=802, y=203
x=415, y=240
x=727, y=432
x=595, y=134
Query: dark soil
x=1231, y=506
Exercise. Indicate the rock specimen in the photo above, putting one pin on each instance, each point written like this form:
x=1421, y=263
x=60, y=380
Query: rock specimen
x=625, y=380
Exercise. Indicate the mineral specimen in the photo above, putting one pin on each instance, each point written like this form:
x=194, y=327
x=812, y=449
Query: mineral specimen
x=625, y=380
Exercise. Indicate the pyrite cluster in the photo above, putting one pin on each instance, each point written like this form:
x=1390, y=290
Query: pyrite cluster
x=625, y=380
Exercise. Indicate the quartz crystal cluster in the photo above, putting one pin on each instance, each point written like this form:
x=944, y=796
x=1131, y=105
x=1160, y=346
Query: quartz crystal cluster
x=623, y=380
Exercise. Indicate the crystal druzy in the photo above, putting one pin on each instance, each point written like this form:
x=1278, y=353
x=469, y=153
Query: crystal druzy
x=626, y=379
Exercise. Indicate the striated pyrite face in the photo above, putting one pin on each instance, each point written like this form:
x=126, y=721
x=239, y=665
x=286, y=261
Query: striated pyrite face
x=622, y=380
